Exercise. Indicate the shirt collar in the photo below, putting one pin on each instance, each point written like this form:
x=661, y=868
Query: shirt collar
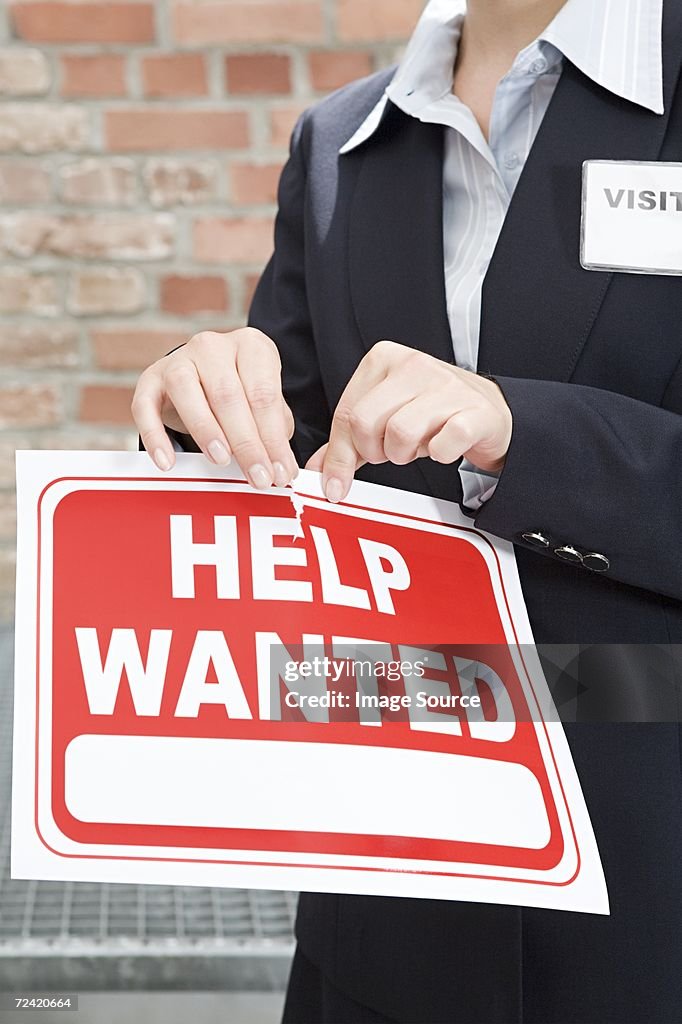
x=616, y=43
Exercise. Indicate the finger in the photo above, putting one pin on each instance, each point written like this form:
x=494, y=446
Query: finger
x=409, y=430
x=259, y=371
x=374, y=410
x=316, y=461
x=229, y=403
x=146, y=410
x=459, y=434
x=184, y=390
x=342, y=457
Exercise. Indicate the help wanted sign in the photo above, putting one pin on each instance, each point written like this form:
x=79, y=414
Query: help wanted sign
x=218, y=686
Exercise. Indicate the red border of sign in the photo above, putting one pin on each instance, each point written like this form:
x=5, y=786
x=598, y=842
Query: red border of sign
x=278, y=864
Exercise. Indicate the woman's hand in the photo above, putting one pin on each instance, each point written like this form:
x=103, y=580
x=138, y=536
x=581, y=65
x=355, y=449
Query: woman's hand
x=401, y=405
x=225, y=390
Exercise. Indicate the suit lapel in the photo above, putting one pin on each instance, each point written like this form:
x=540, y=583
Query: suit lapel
x=396, y=237
x=397, y=279
x=539, y=305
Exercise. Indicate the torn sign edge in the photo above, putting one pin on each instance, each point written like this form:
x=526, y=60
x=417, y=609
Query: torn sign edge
x=33, y=858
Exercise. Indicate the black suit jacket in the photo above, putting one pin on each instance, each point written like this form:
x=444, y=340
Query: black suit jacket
x=591, y=366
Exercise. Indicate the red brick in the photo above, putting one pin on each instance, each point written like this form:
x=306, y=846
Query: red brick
x=100, y=75
x=55, y=22
x=183, y=295
x=358, y=20
x=258, y=73
x=133, y=349
x=282, y=121
x=24, y=182
x=118, y=236
x=235, y=22
x=238, y=240
x=39, y=346
x=42, y=127
x=106, y=290
x=102, y=403
x=29, y=406
x=24, y=292
x=172, y=129
x=171, y=182
x=330, y=69
x=23, y=72
x=174, y=74
x=99, y=182
x=254, y=183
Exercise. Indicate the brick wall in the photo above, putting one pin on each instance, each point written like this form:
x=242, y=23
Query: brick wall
x=140, y=146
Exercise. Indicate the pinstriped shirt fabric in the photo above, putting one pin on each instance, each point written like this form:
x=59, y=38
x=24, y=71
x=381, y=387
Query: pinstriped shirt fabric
x=617, y=43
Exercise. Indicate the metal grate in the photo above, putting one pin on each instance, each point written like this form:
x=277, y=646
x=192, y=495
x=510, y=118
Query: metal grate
x=80, y=919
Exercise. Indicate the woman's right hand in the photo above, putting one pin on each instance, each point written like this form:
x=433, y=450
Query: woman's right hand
x=226, y=391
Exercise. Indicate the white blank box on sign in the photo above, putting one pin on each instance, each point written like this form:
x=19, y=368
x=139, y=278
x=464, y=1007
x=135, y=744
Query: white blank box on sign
x=161, y=780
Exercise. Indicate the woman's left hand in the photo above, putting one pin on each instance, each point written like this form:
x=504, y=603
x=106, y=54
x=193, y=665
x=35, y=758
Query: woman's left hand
x=402, y=404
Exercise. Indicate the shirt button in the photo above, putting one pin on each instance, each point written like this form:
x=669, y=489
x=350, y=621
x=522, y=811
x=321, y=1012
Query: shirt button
x=538, y=66
x=511, y=161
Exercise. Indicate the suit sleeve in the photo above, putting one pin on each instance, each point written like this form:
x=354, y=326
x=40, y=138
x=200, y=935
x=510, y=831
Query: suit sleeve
x=595, y=471
x=280, y=308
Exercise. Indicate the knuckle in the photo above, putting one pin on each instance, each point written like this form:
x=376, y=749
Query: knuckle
x=344, y=415
x=361, y=425
x=263, y=339
x=179, y=374
x=379, y=354
x=203, y=338
x=465, y=432
x=272, y=438
x=384, y=347
x=252, y=336
x=416, y=361
x=247, y=450
x=149, y=438
x=202, y=426
x=338, y=461
x=263, y=395
x=225, y=393
x=400, y=434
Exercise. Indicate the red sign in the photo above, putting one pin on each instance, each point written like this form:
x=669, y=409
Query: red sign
x=241, y=688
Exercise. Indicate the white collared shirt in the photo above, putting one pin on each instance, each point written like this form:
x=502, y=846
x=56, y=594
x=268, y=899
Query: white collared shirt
x=616, y=43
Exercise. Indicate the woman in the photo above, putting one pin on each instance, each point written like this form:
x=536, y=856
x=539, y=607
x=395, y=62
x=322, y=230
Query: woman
x=425, y=321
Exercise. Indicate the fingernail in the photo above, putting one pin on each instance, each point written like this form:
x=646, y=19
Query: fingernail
x=282, y=478
x=333, y=489
x=162, y=460
x=218, y=452
x=259, y=477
